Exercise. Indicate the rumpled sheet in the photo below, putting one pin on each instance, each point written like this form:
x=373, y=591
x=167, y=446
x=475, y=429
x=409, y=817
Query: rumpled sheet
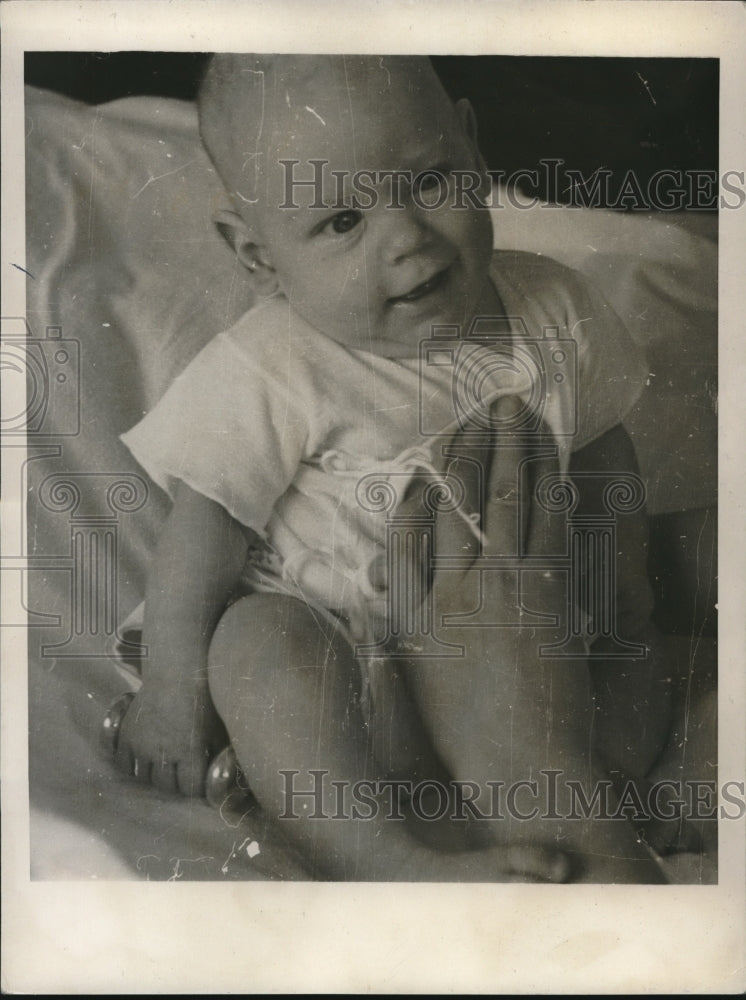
x=126, y=267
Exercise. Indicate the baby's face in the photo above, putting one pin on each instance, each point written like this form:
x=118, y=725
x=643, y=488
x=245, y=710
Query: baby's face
x=365, y=272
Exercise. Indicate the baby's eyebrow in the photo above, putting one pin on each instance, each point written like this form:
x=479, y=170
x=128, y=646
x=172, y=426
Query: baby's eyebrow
x=334, y=190
x=441, y=167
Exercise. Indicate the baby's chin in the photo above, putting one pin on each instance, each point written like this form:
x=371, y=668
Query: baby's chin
x=390, y=348
x=406, y=341
x=402, y=339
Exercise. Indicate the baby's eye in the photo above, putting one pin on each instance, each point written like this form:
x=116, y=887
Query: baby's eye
x=430, y=188
x=430, y=180
x=343, y=222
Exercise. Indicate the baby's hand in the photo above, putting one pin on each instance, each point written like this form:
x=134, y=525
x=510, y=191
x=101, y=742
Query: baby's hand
x=168, y=738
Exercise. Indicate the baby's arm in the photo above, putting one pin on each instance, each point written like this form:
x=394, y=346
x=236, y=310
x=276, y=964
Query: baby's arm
x=172, y=730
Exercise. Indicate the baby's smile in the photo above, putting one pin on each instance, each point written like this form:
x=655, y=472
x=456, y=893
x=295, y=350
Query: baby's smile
x=425, y=289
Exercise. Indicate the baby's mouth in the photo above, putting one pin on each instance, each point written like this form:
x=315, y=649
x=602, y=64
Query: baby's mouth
x=424, y=288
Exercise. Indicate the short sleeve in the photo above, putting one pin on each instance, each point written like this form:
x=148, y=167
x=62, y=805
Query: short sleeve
x=611, y=369
x=230, y=431
x=595, y=377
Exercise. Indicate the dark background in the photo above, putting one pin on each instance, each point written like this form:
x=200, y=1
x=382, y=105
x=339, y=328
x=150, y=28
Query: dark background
x=643, y=115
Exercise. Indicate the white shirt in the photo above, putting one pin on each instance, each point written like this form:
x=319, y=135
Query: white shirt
x=280, y=424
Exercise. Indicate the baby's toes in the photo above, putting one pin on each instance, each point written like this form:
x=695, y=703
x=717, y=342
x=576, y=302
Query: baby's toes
x=670, y=836
x=541, y=864
x=142, y=769
x=163, y=774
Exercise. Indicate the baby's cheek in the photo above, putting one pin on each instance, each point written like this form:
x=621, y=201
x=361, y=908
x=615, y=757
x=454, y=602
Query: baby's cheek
x=481, y=234
x=377, y=573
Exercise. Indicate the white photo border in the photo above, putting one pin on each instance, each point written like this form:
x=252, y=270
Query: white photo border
x=311, y=937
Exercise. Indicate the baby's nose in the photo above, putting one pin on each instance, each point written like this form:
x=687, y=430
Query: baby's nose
x=406, y=234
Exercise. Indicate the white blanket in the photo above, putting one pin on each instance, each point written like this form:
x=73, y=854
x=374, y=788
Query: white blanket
x=126, y=262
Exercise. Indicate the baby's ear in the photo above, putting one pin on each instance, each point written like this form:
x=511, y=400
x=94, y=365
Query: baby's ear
x=242, y=240
x=469, y=123
x=468, y=119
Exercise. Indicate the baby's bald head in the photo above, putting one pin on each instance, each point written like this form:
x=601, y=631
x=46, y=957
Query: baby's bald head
x=256, y=108
x=308, y=148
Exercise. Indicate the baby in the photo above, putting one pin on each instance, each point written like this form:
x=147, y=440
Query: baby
x=358, y=193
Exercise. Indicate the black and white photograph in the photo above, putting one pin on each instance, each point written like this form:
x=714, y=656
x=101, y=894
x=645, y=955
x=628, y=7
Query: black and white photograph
x=373, y=483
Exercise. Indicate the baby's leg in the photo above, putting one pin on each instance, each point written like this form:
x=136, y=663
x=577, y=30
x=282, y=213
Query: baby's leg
x=514, y=724
x=519, y=731
x=287, y=688
x=403, y=751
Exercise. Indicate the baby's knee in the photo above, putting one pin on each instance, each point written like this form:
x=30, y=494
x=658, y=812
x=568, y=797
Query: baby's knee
x=237, y=655
x=273, y=659
x=257, y=639
x=247, y=631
